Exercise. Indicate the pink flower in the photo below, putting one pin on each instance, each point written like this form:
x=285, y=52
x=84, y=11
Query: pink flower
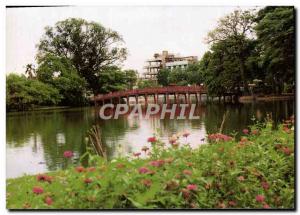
x=157, y=163
x=38, y=190
x=186, y=134
x=232, y=203
x=88, y=180
x=152, y=139
x=143, y=170
x=80, y=169
x=44, y=178
x=48, y=200
x=68, y=154
x=287, y=150
x=91, y=169
x=287, y=130
x=137, y=154
x=265, y=185
x=192, y=187
x=260, y=198
x=187, y=172
x=185, y=193
x=147, y=182
x=254, y=132
x=245, y=131
x=219, y=137
x=266, y=206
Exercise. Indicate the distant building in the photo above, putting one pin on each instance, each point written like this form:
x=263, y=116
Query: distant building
x=166, y=60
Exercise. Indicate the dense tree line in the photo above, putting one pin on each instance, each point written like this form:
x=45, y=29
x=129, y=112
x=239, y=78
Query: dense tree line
x=75, y=59
x=247, y=48
x=248, y=52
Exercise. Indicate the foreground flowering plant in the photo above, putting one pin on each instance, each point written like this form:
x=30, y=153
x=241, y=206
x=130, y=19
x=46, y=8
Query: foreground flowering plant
x=256, y=171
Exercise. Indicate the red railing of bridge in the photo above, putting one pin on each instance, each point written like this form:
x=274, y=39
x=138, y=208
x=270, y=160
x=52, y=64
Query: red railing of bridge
x=151, y=91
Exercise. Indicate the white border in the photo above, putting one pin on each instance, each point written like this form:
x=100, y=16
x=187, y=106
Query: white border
x=112, y=3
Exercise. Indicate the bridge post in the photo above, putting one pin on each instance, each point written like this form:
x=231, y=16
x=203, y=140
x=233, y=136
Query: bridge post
x=175, y=98
x=146, y=99
x=136, y=99
x=111, y=100
x=196, y=98
x=119, y=99
x=127, y=98
x=185, y=97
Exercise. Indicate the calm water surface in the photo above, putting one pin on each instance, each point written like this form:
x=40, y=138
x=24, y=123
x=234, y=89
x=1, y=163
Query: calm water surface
x=35, y=141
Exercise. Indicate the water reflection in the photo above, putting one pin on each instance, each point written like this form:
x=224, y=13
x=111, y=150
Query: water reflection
x=36, y=140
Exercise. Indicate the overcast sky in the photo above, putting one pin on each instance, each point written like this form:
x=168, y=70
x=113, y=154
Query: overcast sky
x=146, y=30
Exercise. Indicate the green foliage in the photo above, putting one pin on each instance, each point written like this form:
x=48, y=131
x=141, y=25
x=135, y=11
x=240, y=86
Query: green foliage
x=179, y=77
x=62, y=75
x=235, y=29
x=227, y=174
x=276, y=36
x=163, y=77
x=188, y=76
x=114, y=79
x=88, y=45
x=221, y=68
x=236, y=57
x=146, y=84
x=131, y=77
x=23, y=93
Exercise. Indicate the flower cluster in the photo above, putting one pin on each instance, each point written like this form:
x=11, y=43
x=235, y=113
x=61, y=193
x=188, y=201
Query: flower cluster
x=219, y=137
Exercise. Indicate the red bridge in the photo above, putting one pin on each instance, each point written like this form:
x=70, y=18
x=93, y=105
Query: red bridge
x=176, y=91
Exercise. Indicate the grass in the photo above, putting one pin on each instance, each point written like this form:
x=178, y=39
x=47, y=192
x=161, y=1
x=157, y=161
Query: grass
x=255, y=172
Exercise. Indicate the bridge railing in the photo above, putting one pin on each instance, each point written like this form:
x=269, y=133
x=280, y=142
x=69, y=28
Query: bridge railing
x=152, y=90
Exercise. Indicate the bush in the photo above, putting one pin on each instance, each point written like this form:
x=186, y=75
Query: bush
x=255, y=172
x=23, y=93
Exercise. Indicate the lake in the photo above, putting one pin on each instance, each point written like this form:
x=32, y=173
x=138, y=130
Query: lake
x=36, y=140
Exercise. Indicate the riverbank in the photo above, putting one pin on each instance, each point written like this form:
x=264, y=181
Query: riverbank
x=255, y=172
x=244, y=99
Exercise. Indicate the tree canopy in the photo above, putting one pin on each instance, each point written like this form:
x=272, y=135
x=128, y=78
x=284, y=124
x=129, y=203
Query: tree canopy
x=62, y=75
x=88, y=45
x=276, y=36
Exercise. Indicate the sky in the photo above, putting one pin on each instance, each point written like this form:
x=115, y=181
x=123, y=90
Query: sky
x=145, y=30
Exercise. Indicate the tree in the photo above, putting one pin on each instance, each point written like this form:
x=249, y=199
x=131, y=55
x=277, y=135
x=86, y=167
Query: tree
x=114, y=79
x=88, y=45
x=220, y=69
x=235, y=28
x=163, y=77
x=23, y=93
x=276, y=36
x=131, y=78
x=195, y=75
x=179, y=76
x=62, y=75
x=146, y=84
